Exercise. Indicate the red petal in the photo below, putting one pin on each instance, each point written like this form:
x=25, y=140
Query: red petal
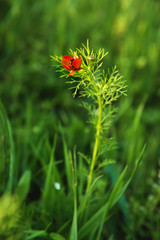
x=66, y=62
x=67, y=58
x=77, y=62
x=67, y=66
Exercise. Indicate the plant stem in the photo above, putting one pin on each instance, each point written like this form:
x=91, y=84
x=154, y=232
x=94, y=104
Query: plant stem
x=95, y=151
x=96, y=144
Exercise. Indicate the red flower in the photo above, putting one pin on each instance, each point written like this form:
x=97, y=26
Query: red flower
x=72, y=64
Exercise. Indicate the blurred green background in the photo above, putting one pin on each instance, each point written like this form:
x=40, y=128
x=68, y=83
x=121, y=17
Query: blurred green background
x=37, y=101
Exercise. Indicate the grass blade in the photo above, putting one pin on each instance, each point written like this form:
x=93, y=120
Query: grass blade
x=47, y=201
x=35, y=233
x=67, y=163
x=7, y=128
x=56, y=236
x=24, y=185
x=74, y=230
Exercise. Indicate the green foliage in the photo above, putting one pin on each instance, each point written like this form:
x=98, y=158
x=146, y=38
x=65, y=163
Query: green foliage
x=98, y=219
x=39, y=107
x=10, y=216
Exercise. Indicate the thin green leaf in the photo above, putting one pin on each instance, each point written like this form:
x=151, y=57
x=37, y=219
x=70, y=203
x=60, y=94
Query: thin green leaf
x=86, y=196
x=35, y=233
x=56, y=236
x=46, y=197
x=74, y=230
x=24, y=185
x=11, y=147
x=67, y=163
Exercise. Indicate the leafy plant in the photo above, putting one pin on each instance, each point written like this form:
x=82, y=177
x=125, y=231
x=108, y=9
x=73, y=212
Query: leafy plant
x=98, y=91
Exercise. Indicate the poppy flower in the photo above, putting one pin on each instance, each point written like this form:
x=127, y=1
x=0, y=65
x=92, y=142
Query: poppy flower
x=72, y=64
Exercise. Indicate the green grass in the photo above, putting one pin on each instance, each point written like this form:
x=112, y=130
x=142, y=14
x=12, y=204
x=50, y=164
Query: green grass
x=45, y=123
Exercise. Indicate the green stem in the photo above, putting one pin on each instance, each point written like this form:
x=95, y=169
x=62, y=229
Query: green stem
x=95, y=151
x=96, y=145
